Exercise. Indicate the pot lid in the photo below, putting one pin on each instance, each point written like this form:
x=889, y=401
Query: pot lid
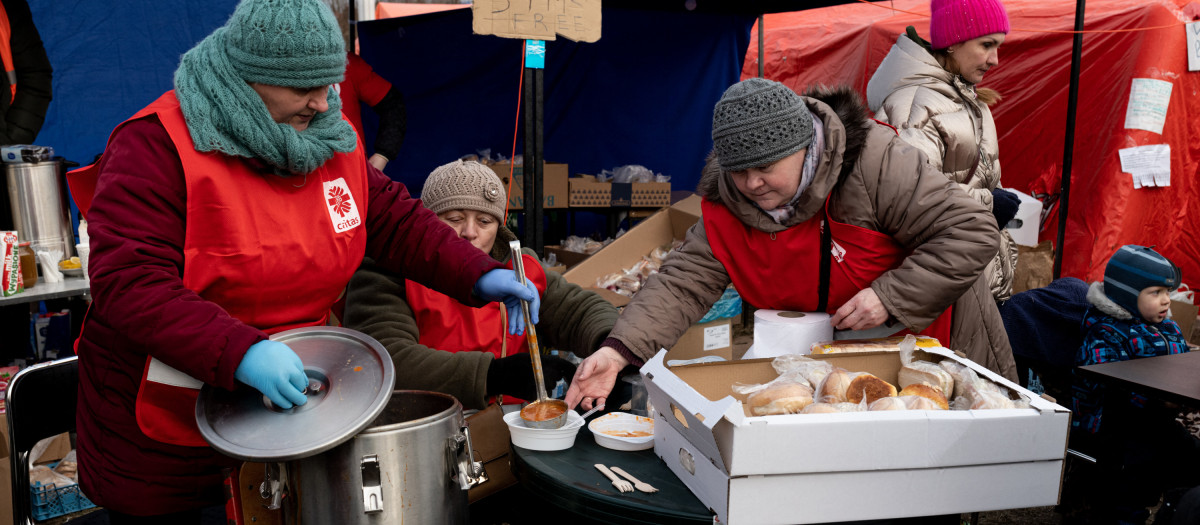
x=351, y=378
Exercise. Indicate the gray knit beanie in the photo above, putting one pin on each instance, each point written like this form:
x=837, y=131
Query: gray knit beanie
x=757, y=122
x=1133, y=269
x=292, y=43
x=464, y=185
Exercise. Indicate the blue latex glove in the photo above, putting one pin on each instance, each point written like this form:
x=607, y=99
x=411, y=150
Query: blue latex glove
x=275, y=370
x=502, y=285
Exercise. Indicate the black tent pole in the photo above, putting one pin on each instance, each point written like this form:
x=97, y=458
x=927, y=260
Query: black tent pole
x=531, y=173
x=760, y=44
x=353, y=23
x=1069, y=143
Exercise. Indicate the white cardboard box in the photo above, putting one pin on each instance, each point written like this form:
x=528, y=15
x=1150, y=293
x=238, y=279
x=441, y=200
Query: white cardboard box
x=812, y=468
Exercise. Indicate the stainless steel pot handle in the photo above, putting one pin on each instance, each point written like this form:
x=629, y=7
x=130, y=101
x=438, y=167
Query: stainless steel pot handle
x=272, y=487
x=470, y=472
x=371, y=490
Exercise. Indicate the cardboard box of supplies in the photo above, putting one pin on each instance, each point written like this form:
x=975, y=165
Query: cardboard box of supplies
x=810, y=468
x=656, y=231
x=554, y=184
x=587, y=192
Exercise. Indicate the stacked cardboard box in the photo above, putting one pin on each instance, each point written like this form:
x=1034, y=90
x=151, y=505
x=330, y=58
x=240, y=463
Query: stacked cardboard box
x=554, y=184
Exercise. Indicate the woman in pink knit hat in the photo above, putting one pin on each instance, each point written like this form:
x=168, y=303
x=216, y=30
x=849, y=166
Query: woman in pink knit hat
x=928, y=91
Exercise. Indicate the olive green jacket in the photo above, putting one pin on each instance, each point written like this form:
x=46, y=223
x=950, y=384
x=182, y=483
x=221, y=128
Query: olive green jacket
x=570, y=319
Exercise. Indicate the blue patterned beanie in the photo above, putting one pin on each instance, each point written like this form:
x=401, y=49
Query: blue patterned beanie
x=1133, y=269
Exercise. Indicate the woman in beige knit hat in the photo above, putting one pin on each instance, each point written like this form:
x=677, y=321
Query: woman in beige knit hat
x=441, y=345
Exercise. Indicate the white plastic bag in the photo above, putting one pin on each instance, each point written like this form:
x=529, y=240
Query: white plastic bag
x=1183, y=294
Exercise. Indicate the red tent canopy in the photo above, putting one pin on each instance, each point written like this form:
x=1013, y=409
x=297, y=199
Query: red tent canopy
x=1124, y=40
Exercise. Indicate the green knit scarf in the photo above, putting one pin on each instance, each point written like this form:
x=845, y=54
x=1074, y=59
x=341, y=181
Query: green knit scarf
x=225, y=114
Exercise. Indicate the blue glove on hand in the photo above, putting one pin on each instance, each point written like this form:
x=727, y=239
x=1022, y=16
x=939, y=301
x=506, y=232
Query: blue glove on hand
x=502, y=285
x=275, y=370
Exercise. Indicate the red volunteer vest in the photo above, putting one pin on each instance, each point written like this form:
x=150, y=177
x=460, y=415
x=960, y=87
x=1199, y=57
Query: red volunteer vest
x=446, y=324
x=273, y=255
x=758, y=262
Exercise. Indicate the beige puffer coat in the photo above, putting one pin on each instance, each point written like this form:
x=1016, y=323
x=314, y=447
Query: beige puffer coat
x=873, y=180
x=939, y=114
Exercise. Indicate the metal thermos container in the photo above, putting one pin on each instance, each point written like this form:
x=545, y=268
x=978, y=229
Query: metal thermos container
x=38, y=197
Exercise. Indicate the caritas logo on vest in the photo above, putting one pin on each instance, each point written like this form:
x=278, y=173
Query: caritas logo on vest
x=342, y=210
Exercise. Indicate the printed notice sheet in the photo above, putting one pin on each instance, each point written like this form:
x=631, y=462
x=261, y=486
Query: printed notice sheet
x=1148, y=101
x=1149, y=165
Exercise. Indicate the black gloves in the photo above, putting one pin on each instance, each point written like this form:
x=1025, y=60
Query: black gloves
x=1004, y=206
x=513, y=375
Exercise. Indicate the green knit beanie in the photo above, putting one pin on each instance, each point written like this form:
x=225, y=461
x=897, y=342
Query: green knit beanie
x=291, y=43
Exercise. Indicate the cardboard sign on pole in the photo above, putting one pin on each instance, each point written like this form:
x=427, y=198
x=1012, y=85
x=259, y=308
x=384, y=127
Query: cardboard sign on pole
x=577, y=20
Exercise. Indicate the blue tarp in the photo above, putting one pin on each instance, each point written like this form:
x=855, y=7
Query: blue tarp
x=643, y=94
x=110, y=59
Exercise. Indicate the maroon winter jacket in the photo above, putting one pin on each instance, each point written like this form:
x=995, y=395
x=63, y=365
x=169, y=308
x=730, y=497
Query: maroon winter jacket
x=140, y=307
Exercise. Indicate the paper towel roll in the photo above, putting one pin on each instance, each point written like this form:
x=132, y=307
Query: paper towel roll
x=778, y=332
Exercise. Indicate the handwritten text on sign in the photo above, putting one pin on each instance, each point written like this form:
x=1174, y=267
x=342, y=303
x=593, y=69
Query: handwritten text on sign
x=578, y=20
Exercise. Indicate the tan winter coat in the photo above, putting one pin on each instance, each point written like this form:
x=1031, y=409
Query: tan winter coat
x=875, y=181
x=939, y=114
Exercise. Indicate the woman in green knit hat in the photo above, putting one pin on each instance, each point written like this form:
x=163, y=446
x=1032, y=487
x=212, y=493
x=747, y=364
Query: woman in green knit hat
x=235, y=206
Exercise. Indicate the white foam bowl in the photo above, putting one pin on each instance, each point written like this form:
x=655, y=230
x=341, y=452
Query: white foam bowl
x=541, y=438
x=612, y=431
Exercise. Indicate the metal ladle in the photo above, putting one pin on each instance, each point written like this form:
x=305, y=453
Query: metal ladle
x=543, y=403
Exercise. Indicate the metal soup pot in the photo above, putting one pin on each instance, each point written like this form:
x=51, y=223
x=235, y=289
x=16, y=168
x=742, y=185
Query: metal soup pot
x=357, y=452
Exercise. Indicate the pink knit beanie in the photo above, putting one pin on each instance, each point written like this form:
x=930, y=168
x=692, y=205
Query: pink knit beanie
x=955, y=21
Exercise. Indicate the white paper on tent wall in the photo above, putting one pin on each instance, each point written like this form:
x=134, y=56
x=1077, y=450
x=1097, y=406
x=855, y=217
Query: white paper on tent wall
x=1148, y=99
x=1149, y=165
x=1193, y=45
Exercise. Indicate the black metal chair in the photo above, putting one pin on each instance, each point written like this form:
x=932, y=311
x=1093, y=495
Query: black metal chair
x=41, y=402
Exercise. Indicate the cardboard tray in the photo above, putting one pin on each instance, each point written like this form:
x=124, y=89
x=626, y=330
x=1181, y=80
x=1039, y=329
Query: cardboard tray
x=937, y=461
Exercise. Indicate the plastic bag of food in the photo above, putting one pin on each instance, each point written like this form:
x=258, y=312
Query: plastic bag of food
x=930, y=392
x=44, y=475
x=832, y=408
x=810, y=369
x=68, y=467
x=787, y=394
x=913, y=371
x=872, y=345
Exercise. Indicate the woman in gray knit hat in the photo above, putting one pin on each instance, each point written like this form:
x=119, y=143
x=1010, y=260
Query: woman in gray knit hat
x=235, y=206
x=811, y=206
x=440, y=345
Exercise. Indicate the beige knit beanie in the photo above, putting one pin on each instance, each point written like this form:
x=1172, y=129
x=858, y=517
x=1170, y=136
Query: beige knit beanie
x=464, y=185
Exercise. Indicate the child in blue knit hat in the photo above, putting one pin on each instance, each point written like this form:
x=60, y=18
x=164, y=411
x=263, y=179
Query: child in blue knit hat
x=1128, y=319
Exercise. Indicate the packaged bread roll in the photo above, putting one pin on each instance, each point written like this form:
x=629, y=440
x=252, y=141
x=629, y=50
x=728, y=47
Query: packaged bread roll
x=781, y=398
x=868, y=388
x=831, y=408
x=918, y=372
x=833, y=387
x=919, y=403
x=810, y=369
x=891, y=344
x=888, y=403
x=931, y=393
x=978, y=396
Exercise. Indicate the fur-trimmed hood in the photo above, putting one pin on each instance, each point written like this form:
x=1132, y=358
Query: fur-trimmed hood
x=844, y=116
x=500, y=250
x=1096, y=297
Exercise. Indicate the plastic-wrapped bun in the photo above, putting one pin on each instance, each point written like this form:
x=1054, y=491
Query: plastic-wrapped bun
x=831, y=408
x=920, y=403
x=810, y=369
x=888, y=403
x=781, y=398
x=978, y=397
x=931, y=393
x=833, y=388
x=918, y=372
x=868, y=388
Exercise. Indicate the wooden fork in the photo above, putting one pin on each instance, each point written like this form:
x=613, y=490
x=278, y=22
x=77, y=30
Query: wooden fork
x=644, y=487
x=620, y=484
